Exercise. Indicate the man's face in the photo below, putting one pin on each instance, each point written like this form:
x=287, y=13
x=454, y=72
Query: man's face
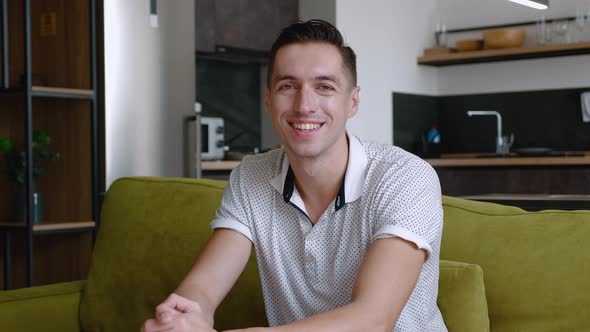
x=310, y=98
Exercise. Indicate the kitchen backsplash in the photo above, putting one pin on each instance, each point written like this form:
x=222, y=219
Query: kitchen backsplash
x=547, y=118
x=231, y=90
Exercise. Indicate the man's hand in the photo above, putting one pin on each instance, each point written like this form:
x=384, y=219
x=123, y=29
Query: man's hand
x=180, y=314
x=192, y=306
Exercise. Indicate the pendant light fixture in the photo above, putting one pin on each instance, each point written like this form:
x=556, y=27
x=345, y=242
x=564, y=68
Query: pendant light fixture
x=537, y=4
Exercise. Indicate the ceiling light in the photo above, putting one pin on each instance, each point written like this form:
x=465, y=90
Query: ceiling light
x=537, y=4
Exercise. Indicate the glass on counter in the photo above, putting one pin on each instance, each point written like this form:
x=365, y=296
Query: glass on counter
x=543, y=31
x=561, y=32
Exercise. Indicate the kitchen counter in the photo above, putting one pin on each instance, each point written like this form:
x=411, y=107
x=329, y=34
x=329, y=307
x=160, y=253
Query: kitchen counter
x=476, y=174
x=536, y=202
x=459, y=160
x=219, y=165
x=488, y=159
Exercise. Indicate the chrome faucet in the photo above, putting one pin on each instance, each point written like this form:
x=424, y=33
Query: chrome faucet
x=503, y=143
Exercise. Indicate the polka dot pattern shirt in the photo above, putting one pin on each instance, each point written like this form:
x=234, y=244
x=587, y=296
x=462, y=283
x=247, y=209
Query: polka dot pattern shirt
x=307, y=269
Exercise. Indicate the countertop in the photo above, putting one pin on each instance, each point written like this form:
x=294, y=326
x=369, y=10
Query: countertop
x=219, y=165
x=460, y=160
x=487, y=159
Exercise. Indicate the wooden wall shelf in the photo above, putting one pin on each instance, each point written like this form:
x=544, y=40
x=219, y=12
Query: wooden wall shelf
x=507, y=54
x=45, y=91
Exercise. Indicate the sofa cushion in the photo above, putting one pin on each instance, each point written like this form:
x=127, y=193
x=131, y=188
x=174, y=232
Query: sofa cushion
x=535, y=265
x=150, y=233
x=462, y=297
x=50, y=308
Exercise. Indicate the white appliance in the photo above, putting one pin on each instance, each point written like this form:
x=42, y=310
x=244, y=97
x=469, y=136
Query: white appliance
x=212, y=138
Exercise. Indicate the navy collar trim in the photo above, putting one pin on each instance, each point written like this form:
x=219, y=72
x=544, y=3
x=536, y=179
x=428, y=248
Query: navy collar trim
x=289, y=187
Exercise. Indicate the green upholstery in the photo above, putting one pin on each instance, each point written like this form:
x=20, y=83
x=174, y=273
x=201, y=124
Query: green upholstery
x=52, y=308
x=151, y=232
x=462, y=297
x=536, y=265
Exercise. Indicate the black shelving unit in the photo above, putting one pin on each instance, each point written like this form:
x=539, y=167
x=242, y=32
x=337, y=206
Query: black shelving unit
x=28, y=227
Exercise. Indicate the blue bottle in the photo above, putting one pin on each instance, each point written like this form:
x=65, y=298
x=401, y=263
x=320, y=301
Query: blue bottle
x=433, y=135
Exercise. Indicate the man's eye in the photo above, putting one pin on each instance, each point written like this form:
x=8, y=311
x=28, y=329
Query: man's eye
x=286, y=86
x=326, y=88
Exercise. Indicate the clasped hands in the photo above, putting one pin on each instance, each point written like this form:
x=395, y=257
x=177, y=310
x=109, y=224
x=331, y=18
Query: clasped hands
x=180, y=314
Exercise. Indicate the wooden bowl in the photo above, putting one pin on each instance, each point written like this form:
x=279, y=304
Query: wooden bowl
x=504, y=38
x=467, y=45
x=437, y=50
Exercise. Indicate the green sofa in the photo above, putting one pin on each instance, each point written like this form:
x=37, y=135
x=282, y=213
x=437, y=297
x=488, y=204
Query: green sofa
x=502, y=269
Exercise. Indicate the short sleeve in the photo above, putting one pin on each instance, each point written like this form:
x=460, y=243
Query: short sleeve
x=233, y=210
x=408, y=205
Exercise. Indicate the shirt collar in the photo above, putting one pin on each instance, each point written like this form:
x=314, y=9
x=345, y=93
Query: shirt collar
x=352, y=186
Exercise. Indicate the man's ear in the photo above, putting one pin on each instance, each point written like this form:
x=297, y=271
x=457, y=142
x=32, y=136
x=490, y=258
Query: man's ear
x=355, y=101
x=267, y=100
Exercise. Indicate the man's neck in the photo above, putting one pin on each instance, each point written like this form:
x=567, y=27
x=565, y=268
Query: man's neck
x=318, y=180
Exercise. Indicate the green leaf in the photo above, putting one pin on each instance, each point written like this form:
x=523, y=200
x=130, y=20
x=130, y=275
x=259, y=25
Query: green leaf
x=43, y=155
x=16, y=160
x=40, y=137
x=20, y=178
x=5, y=144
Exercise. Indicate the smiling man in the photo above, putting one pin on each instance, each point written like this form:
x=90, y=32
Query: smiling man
x=346, y=232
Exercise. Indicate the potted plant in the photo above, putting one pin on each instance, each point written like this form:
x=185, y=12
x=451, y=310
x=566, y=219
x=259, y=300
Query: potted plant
x=15, y=161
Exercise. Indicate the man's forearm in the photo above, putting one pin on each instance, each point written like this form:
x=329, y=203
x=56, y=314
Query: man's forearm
x=193, y=293
x=216, y=270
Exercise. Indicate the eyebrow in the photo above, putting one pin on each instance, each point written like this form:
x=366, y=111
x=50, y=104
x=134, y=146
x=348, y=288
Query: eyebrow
x=283, y=78
x=331, y=78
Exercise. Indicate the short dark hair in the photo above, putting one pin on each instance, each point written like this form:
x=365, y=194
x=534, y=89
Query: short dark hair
x=313, y=31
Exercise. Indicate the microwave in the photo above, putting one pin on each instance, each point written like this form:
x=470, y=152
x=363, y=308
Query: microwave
x=212, y=138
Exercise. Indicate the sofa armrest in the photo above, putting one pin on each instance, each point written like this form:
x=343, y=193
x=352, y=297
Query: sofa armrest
x=46, y=308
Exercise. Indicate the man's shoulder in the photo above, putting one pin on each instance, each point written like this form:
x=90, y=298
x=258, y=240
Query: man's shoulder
x=391, y=157
x=261, y=166
x=390, y=166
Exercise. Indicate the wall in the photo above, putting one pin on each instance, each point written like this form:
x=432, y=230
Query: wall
x=387, y=36
x=469, y=13
x=324, y=9
x=537, y=74
x=268, y=137
x=149, y=86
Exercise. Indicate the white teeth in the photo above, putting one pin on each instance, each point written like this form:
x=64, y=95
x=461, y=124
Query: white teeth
x=306, y=126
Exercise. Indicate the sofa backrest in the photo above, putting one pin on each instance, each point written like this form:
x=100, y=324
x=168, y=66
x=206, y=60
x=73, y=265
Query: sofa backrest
x=536, y=265
x=150, y=233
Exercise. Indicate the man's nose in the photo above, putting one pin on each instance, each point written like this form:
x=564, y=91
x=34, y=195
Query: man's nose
x=305, y=100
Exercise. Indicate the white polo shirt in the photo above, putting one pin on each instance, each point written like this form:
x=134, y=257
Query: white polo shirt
x=307, y=269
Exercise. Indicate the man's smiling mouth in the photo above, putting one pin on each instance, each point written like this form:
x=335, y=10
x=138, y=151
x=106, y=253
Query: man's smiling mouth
x=305, y=126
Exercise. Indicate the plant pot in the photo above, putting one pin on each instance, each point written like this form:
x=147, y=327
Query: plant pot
x=20, y=198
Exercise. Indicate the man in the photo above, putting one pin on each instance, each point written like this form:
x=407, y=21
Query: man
x=347, y=233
